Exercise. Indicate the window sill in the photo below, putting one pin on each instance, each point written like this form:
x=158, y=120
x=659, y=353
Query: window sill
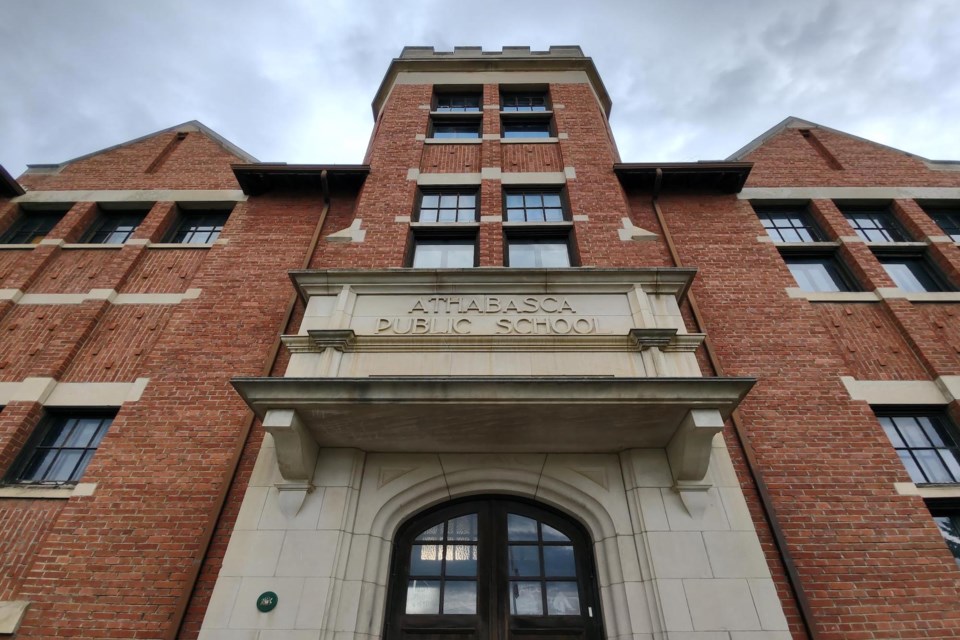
x=526, y=114
x=458, y=115
x=803, y=246
x=897, y=246
x=833, y=296
x=44, y=492
x=181, y=245
x=452, y=141
x=558, y=224
x=894, y=293
x=90, y=245
x=445, y=225
x=528, y=140
x=927, y=491
x=8, y=247
x=882, y=293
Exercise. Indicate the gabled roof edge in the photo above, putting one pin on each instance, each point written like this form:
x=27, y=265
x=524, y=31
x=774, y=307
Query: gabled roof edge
x=793, y=122
x=190, y=125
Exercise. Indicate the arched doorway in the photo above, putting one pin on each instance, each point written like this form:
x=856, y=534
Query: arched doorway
x=492, y=569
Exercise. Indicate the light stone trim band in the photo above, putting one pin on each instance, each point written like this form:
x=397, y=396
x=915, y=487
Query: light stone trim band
x=11, y=613
x=927, y=493
x=493, y=173
x=349, y=342
x=40, y=492
x=833, y=296
x=941, y=391
x=110, y=295
x=849, y=193
x=51, y=393
x=139, y=195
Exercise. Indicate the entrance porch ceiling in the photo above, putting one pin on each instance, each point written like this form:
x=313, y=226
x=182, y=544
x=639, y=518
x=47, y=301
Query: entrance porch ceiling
x=493, y=414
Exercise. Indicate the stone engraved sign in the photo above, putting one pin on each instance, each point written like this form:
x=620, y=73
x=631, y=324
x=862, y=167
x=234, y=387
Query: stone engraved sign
x=485, y=314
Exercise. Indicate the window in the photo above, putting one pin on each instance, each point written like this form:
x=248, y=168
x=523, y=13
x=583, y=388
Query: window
x=912, y=272
x=467, y=568
x=948, y=219
x=455, y=128
x=448, y=206
x=33, y=226
x=534, y=205
x=540, y=253
x=62, y=450
x=818, y=273
x=525, y=128
x=199, y=226
x=114, y=226
x=789, y=224
x=948, y=521
x=926, y=445
x=875, y=225
x=457, y=102
x=443, y=252
x=523, y=101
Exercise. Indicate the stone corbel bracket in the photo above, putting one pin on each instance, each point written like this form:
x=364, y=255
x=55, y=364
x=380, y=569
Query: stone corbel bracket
x=689, y=455
x=297, y=452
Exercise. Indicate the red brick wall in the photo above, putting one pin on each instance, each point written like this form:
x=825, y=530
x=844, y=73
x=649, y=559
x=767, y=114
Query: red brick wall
x=863, y=551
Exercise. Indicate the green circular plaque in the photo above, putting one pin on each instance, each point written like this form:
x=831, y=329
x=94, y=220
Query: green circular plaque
x=266, y=601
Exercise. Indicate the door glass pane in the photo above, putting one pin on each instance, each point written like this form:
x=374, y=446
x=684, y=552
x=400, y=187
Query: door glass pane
x=526, y=599
x=425, y=559
x=463, y=528
x=461, y=560
x=524, y=560
x=520, y=528
x=558, y=561
x=460, y=596
x=562, y=599
x=552, y=535
x=423, y=596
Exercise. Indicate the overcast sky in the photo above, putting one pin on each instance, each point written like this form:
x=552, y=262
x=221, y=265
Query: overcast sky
x=292, y=80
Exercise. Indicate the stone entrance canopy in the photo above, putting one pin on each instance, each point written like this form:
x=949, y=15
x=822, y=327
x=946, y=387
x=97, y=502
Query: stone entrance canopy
x=493, y=360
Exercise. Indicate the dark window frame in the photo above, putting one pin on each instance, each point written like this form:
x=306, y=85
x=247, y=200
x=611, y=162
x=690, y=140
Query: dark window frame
x=472, y=100
x=540, y=234
x=534, y=190
x=524, y=101
x=475, y=126
x=807, y=225
x=424, y=192
x=943, y=428
x=921, y=261
x=512, y=127
x=33, y=225
x=452, y=234
x=495, y=585
x=108, y=222
x=844, y=280
x=38, y=446
x=882, y=222
x=947, y=218
x=185, y=230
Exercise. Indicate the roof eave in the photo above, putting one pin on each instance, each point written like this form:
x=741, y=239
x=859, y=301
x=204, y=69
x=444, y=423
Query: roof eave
x=256, y=179
x=726, y=177
x=9, y=187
